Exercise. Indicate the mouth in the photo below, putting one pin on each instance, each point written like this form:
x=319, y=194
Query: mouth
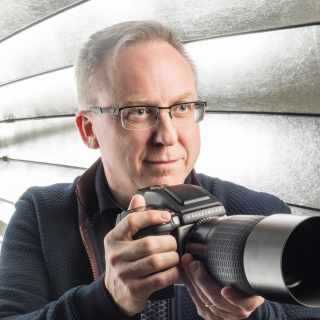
x=160, y=162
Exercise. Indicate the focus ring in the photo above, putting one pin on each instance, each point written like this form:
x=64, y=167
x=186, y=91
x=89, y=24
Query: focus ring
x=226, y=242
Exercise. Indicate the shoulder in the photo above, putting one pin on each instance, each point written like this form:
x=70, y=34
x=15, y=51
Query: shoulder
x=238, y=199
x=48, y=196
x=45, y=205
x=37, y=207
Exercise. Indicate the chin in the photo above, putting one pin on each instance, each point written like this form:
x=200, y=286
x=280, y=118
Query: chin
x=161, y=180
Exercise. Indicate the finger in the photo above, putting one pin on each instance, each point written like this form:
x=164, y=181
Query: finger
x=205, y=299
x=137, y=201
x=186, y=259
x=237, y=298
x=200, y=276
x=151, y=264
x=199, y=301
x=135, y=221
x=158, y=280
x=147, y=246
x=206, y=306
x=210, y=291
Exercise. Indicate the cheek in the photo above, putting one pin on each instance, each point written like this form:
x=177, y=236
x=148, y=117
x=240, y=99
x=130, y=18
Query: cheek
x=191, y=141
x=134, y=148
x=112, y=143
x=198, y=142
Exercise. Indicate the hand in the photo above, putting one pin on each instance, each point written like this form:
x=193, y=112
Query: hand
x=137, y=268
x=212, y=301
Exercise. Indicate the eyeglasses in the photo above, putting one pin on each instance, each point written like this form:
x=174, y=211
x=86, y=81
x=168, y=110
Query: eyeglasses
x=145, y=117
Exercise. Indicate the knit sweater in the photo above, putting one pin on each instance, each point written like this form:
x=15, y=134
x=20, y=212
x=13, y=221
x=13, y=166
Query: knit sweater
x=46, y=271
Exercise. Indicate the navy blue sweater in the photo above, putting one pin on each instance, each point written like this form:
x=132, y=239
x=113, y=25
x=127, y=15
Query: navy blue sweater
x=45, y=272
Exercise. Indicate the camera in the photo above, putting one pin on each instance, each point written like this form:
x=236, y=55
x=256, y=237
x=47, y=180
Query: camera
x=273, y=256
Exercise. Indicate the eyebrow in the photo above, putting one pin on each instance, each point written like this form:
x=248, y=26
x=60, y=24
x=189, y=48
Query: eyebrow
x=187, y=95
x=145, y=102
x=141, y=102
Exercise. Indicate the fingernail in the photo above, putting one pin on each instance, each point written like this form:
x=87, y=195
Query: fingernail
x=225, y=292
x=166, y=216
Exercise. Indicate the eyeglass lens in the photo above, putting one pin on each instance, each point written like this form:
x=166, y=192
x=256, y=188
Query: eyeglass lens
x=147, y=116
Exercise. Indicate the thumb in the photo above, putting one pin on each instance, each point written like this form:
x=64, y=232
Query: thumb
x=137, y=201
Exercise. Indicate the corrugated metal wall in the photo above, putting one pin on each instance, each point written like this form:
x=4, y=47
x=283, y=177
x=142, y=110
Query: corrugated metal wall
x=258, y=65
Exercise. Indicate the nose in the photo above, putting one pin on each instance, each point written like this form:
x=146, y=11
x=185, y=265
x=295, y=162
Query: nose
x=166, y=132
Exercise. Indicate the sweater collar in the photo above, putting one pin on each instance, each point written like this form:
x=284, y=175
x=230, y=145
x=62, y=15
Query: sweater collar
x=106, y=201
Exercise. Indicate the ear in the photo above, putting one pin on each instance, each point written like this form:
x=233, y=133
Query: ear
x=85, y=128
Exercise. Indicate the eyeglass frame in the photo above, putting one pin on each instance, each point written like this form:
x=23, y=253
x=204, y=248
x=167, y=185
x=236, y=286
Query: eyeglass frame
x=116, y=110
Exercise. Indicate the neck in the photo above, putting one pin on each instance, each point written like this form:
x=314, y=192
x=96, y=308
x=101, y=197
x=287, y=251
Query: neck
x=121, y=199
x=120, y=191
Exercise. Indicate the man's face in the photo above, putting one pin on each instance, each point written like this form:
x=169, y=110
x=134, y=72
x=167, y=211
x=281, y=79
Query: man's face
x=151, y=73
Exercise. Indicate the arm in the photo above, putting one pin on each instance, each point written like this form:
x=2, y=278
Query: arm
x=273, y=310
x=25, y=291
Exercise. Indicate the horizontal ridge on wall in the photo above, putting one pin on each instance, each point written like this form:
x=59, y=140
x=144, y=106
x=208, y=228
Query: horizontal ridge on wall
x=17, y=177
x=35, y=75
x=262, y=113
x=20, y=27
x=60, y=37
x=273, y=72
x=6, y=201
x=275, y=154
x=53, y=141
x=60, y=165
x=186, y=43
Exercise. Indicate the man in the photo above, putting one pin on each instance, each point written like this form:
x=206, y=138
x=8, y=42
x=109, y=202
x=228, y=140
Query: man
x=63, y=257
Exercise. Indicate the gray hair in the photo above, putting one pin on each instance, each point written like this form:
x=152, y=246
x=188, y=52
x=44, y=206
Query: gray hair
x=107, y=43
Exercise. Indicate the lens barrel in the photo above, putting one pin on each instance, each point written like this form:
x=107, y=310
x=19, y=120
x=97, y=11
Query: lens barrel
x=275, y=256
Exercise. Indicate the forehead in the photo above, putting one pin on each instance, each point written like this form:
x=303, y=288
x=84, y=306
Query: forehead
x=153, y=71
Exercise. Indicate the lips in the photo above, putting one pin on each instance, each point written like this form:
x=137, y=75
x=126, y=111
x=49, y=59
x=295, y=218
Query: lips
x=161, y=161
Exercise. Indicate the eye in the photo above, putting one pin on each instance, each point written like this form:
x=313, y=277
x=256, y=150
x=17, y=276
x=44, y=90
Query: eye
x=137, y=111
x=183, y=108
x=135, y=114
